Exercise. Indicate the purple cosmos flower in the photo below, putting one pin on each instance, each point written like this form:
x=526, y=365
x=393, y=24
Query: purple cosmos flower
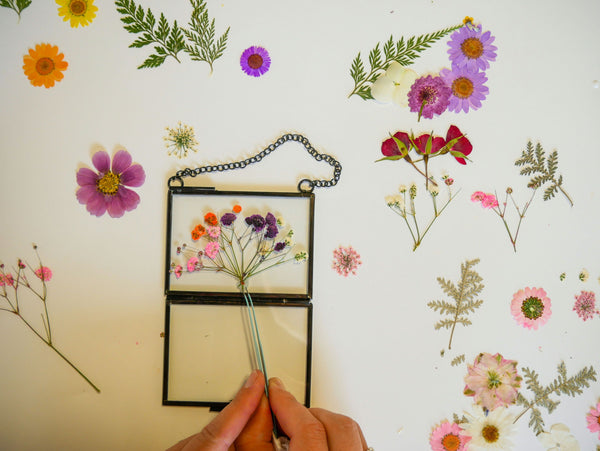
x=471, y=49
x=105, y=191
x=467, y=88
x=228, y=218
x=428, y=96
x=255, y=61
x=257, y=222
x=279, y=246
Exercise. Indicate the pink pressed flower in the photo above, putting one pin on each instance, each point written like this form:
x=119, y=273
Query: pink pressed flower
x=6, y=279
x=489, y=201
x=106, y=190
x=531, y=307
x=346, y=261
x=213, y=231
x=585, y=305
x=593, y=419
x=178, y=270
x=477, y=196
x=212, y=249
x=492, y=380
x=448, y=437
x=191, y=265
x=44, y=273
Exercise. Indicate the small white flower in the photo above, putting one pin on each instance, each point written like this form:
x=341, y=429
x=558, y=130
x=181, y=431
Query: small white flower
x=434, y=190
x=559, y=438
x=491, y=431
x=402, y=188
x=584, y=275
x=394, y=85
x=394, y=200
x=280, y=221
x=301, y=257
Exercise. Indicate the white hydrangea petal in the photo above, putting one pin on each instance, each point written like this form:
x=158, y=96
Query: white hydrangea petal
x=408, y=77
x=400, y=95
x=395, y=71
x=382, y=89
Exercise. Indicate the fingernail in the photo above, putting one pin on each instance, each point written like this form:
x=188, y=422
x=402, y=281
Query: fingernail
x=251, y=379
x=277, y=383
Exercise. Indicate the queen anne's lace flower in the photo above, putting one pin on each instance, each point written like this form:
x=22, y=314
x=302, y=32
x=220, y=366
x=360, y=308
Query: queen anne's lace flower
x=492, y=380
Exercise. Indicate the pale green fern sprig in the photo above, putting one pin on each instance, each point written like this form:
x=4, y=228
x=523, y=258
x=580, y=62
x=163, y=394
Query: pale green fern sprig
x=168, y=39
x=569, y=386
x=544, y=169
x=202, y=35
x=16, y=5
x=380, y=57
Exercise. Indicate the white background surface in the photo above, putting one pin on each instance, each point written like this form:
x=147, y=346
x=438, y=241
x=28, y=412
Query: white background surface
x=376, y=354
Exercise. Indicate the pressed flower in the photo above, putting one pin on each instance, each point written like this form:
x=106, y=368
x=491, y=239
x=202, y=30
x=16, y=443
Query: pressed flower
x=237, y=208
x=6, y=279
x=489, y=430
x=180, y=140
x=389, y=147
x=428, y=96
x=492, y=380
x=257, y=222
x=178, y=270
x=213, y=231
x=531, y=307
x=593, y=419
x=198, y=232
x=272, y=231
x=79, y=12
x=270, y=219
x=44, y=65
x=106, y=190
x=228, y=218
x=346, y=261
x=478, y=196
x=212, y=249
x=428, y=144
x=301, y=257
x=192, y=264
x=462, y=144
x=467, y=88
x=584, y=275
x=395, y=200
x=44, y=273
x=255, y=61
x=471, y=49
x=489, y=201
x=279, y=246
x=585, y=305
x=558, y=438
x=394, y=84
x=211, y=219
x=449, y=437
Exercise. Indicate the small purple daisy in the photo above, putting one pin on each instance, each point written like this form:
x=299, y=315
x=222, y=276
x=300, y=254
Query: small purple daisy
x=255, y=61
x=428, y=96
x=471, y=48
x=467, y=88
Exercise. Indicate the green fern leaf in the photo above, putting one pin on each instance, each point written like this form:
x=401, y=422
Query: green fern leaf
x=153, y=61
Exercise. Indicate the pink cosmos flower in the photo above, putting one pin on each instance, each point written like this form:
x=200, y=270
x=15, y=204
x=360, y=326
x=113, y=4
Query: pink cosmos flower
x=213, y=231
x=478, y=196
x=212, y=249
x=44, y=273
x=489, y=201
x=437, y=142
x=593, y=419
x=448, y=437
x=585, y=305
x=106, y=190
x=191, y=265
x=531, y=307
x=463, y=145
x=493, y=381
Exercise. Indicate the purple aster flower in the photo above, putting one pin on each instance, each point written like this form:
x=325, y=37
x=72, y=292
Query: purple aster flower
x=105, y=191
x=257, y=222
x=228, y=218
x=471, y=48
x=467, y=88
x=279, y=246
x=272, y=231
x=428, y=96
x=255, y=61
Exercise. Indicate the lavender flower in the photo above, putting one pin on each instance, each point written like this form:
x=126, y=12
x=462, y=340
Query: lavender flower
x=228, y=218
x=471, y=49
x=468, y=89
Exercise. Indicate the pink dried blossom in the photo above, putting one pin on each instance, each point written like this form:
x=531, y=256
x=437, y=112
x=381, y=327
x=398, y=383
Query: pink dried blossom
x=448, y=437
x=191, y=265
x=212, y=249
x=489, y=201
x=213, y=231
x=493, y=381
x=178, y=270
x=478, y=196
x=6, y=279
x=593, y=419
x=531, y=307
x=44, y=273
x=585, y=305
x=346, y=261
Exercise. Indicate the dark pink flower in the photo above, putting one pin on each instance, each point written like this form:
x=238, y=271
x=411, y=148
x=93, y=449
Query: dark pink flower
x=428, y=96
x=489, y=201
x=389, y=147
x=437, y=142
x=6, y=279
x=105, y=190
x=462, y=145
x=44, y=273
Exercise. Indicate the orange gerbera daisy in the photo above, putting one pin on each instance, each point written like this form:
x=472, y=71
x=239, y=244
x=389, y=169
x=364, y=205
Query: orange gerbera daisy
x=44, y=65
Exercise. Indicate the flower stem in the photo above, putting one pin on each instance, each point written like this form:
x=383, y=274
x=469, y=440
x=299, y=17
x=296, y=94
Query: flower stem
x=566, y=195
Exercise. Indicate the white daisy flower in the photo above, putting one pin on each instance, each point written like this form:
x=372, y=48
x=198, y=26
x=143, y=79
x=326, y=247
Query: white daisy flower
x=491, y=430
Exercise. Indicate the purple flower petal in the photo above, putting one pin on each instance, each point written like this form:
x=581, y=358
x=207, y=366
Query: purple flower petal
x=130, y=199
x=134, y=176
x=228, y=218
x=101, y=161
x=96, y=205
x=115, y=207
x=121, y=161
x=85, y=193
x=255, y=61
x=86, y=176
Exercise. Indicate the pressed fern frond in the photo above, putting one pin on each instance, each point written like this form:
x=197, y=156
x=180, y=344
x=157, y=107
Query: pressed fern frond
x=458, y=360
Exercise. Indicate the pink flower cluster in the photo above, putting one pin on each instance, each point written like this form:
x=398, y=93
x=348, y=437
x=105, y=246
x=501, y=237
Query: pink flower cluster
x=487, y=200
x=346, y=261
x=585, y=305
x=593, y=419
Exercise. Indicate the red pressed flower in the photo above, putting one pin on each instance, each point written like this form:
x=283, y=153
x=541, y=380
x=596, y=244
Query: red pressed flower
x=421, y=143
x=462, y=144
x=211, y=219
x=389, y=147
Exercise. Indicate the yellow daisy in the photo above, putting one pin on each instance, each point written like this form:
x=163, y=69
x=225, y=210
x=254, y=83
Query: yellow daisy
x=44, y=65
x=79, y=12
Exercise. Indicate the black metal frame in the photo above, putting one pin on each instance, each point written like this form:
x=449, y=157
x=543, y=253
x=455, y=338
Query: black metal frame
x=291, y=300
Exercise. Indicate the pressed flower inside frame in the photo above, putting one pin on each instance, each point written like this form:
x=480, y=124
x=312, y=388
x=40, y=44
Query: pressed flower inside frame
x=78, y=12
x=44, y=65
x=255, y=61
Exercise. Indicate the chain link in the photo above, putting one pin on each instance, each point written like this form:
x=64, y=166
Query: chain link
x=305, y=185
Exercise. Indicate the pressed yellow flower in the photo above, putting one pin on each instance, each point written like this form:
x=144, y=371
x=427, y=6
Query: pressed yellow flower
x=467, y=20
x=79, y=12
x=44, y=65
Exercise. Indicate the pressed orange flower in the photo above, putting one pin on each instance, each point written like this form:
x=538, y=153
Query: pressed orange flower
x=198, y=232
x=211, y=219
x=237, y=208
x=79, y=12
x=44, y=65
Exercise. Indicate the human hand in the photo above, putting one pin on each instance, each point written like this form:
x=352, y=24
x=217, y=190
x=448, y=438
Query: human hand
x=313, y=429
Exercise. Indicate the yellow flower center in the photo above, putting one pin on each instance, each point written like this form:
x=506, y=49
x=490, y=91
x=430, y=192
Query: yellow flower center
x=109, y=183
x=255, y=61
x=451, y=442
x=532, y=307
x=472, y=48
x=490, y=433
x=493, y=380
x=78, y=7
x=44, y=65
x=462, y=87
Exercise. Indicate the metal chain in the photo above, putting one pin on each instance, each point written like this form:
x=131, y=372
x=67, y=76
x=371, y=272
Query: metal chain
x=305, y=185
